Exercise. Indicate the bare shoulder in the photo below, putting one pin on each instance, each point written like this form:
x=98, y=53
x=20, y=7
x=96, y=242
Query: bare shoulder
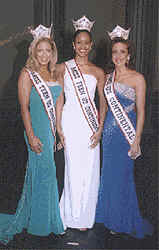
x=137, y=75
x=99, y=72
x=24, y=76
x=60, y=68
x=138, y=78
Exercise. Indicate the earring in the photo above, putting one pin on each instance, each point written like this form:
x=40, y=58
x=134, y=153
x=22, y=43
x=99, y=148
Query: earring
x=127, y=61
x=73, y=46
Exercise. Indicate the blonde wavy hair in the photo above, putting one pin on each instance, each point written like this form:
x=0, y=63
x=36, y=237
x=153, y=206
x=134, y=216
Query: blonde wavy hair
x=32, y=63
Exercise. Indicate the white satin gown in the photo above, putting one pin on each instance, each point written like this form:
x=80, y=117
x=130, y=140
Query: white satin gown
x=82, y=164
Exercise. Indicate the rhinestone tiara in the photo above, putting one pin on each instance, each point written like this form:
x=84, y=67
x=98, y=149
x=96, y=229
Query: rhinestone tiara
x=83, y=24
x=119, y=32
x=41, y=31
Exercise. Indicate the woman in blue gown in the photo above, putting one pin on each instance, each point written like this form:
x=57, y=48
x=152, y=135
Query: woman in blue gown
x=117, y=205
x=38, y=209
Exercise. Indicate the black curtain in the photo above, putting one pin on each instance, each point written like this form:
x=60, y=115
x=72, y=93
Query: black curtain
x=13, y=152
x=142, y=18
x=47, y=12
x=51, y=11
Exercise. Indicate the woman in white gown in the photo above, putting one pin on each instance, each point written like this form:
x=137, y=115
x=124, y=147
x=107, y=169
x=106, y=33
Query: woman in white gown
x=80, y=130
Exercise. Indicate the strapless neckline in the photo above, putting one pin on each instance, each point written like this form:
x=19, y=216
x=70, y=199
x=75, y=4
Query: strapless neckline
x=52, y=83
x=125, y=90
x=89, y=75
x=124, y=85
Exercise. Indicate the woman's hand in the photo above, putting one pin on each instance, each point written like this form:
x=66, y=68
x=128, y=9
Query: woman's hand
x=134, y=151
x=62, y=138
x=95, y=138
x=35, y=144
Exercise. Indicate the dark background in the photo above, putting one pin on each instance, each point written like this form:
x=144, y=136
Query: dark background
x=15, y=16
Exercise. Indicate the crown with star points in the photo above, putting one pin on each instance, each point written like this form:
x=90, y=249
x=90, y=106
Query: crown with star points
x=41, y=31
x=83, y=24
x=119, y=32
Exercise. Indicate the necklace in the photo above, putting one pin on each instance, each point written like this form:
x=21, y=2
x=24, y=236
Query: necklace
x=45, y=74
x=82, y=64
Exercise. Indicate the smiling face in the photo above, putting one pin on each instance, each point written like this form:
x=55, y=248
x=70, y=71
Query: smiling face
x=43, y=53
x=120, y=54
x=82, y=44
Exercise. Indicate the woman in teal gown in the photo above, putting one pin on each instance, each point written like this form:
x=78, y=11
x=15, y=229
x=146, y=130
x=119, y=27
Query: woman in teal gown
x=117, y=206
x=38, y=209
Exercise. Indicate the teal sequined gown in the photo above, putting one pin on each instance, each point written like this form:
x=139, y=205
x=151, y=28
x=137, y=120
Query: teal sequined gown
x=38, y=209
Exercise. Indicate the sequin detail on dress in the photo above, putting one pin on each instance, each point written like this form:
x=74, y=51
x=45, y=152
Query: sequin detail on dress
x=125, y=90
x=117, y=205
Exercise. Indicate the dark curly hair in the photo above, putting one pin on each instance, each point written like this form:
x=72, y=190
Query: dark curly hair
x=131, y=51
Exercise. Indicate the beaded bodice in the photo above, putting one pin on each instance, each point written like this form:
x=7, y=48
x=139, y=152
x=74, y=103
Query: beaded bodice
x=125, y=90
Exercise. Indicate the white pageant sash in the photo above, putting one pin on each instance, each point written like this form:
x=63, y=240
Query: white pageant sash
x=46, y=97
x=82, y=94
x=119, y=113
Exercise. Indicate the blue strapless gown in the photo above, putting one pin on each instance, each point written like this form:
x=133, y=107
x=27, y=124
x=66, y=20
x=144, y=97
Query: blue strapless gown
x=38, y=209
x=117, y=205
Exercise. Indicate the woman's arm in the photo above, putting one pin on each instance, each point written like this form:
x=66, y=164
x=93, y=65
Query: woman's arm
x=140, y=106
x=102, y=107
x=102, y=100
x=24, y=90
x=60, y=103
x=140, y=88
